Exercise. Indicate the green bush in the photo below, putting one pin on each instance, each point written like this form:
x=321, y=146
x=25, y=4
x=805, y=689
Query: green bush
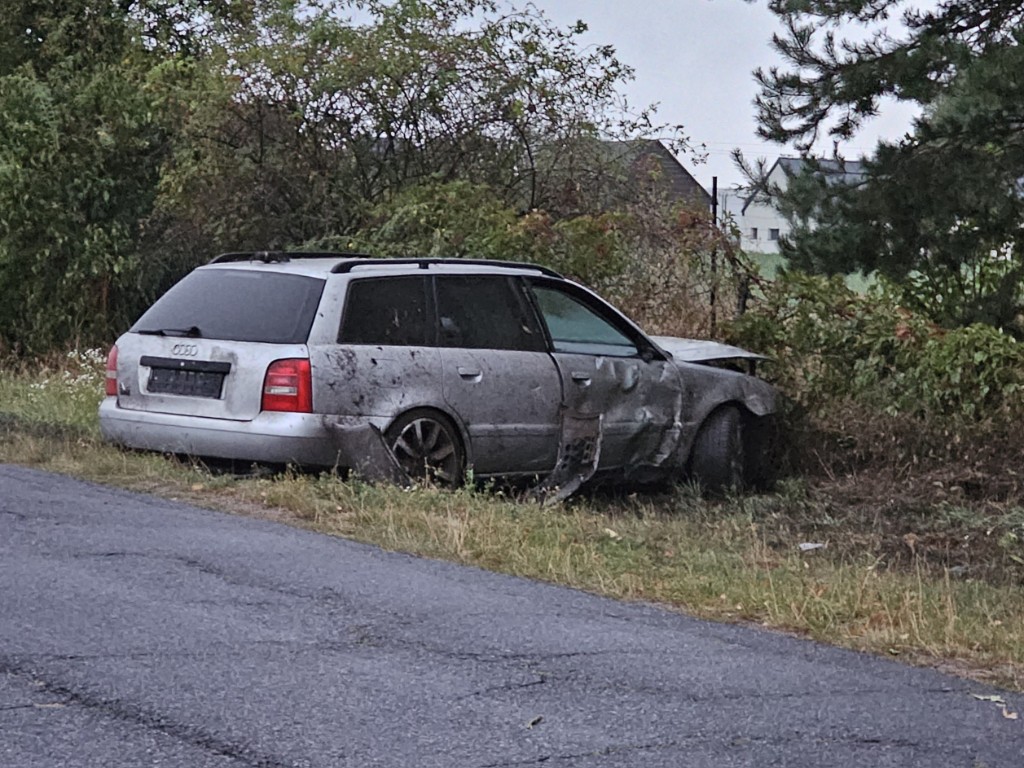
x=459, y=219
x=831, y=343
x=652, y=262
x=975, y=372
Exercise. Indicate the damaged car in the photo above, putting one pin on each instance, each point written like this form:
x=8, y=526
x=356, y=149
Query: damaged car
x=405, y=368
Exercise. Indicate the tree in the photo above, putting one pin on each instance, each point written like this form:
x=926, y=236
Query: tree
x=940, y=211
x=84, y=132
x=79, y=153
x=137, y=137
x=311, y=120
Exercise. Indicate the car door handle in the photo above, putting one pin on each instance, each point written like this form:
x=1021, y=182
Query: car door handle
x=580, y=377
x=469, y=373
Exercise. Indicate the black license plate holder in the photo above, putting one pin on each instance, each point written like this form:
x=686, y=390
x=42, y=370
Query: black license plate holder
x=191, y=378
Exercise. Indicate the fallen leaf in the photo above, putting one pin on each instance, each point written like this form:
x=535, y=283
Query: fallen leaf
x=998, y=700
x=611, y=534
x=995, y=699
x=535, y=721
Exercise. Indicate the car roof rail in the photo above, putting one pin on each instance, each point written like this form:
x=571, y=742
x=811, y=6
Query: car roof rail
x=280, y=257
x=428, y=262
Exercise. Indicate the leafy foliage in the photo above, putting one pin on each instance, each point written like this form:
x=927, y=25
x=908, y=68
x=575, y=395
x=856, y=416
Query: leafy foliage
x=902, y=51
x=80, y=148
x=138, y=138
x=461, y=219
x=832, y=344
x=453, y=219
x=308, y=121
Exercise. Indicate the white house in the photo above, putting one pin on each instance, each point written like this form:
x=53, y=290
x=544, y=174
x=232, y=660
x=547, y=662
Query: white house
x=750, y=211
x=758, y=226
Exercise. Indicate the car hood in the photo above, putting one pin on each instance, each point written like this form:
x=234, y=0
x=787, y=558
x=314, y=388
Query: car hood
x=700, y=351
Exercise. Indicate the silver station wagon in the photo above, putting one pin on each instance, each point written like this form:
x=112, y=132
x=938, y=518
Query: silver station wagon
x=399, y=368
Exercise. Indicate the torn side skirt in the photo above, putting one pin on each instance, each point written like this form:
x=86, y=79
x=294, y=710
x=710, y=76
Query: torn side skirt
x=579, y=451
x=362, y=448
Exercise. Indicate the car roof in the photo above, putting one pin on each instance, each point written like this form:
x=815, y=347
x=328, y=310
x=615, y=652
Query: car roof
x=323, y=264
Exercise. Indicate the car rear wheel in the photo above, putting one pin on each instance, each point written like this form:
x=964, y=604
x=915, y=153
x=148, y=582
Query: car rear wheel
x=427, y=447
x=717, y=459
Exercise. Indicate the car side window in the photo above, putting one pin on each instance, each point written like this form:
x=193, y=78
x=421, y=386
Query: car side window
x=576, y=328
x=486, y=312
x=389, y=311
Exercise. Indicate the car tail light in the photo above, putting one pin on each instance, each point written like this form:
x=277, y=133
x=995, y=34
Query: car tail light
x=288, y=386
x=111, y=377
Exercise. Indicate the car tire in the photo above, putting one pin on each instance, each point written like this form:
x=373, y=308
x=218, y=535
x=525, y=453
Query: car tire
x=717, y=459
x=428, y=447
x=761, y=448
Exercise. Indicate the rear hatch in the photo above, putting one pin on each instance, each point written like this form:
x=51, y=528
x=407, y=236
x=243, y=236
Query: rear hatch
x=204, y=347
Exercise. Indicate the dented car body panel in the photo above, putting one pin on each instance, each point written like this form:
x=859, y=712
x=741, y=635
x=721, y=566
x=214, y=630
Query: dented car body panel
x=508, y=404
x=505, y=369
x=700, y=351
x=639, y=401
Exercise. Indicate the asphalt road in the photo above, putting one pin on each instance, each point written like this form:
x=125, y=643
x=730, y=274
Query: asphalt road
x=141, y=632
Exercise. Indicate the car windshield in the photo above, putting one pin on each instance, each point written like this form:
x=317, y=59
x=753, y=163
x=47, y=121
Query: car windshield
x=236, y=305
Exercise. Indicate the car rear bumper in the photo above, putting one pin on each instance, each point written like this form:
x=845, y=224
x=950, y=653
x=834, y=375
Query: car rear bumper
x=277, y=438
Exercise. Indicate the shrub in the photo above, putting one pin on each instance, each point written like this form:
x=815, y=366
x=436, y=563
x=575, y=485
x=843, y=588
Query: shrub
x=653, y=261
x=830, y=343
x=976, y=372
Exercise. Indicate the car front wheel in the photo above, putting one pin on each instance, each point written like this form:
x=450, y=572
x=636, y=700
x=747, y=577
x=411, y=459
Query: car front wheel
x=717, y=458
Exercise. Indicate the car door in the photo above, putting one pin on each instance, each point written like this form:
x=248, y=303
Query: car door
x=608, y=369
x=497, y=375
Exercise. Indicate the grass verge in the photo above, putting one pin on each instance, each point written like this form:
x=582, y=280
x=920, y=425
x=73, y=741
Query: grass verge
x=736, y=559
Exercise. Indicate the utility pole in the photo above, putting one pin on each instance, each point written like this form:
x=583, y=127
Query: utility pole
x=714, y=253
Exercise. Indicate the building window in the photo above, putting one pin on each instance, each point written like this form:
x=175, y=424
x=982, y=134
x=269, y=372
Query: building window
x=773, y=234
x=753, y=233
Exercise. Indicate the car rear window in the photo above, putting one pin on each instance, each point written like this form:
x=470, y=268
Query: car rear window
x=486, y=312
x=237, y=305
x=389, y=311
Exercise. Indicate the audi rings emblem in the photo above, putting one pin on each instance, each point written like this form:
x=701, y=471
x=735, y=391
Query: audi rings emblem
x=186, y=350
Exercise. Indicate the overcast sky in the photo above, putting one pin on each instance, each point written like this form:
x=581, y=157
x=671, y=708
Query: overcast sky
x=696, y=58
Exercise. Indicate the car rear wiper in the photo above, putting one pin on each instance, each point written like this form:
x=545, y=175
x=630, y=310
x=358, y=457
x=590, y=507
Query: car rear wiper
x=191, y=332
